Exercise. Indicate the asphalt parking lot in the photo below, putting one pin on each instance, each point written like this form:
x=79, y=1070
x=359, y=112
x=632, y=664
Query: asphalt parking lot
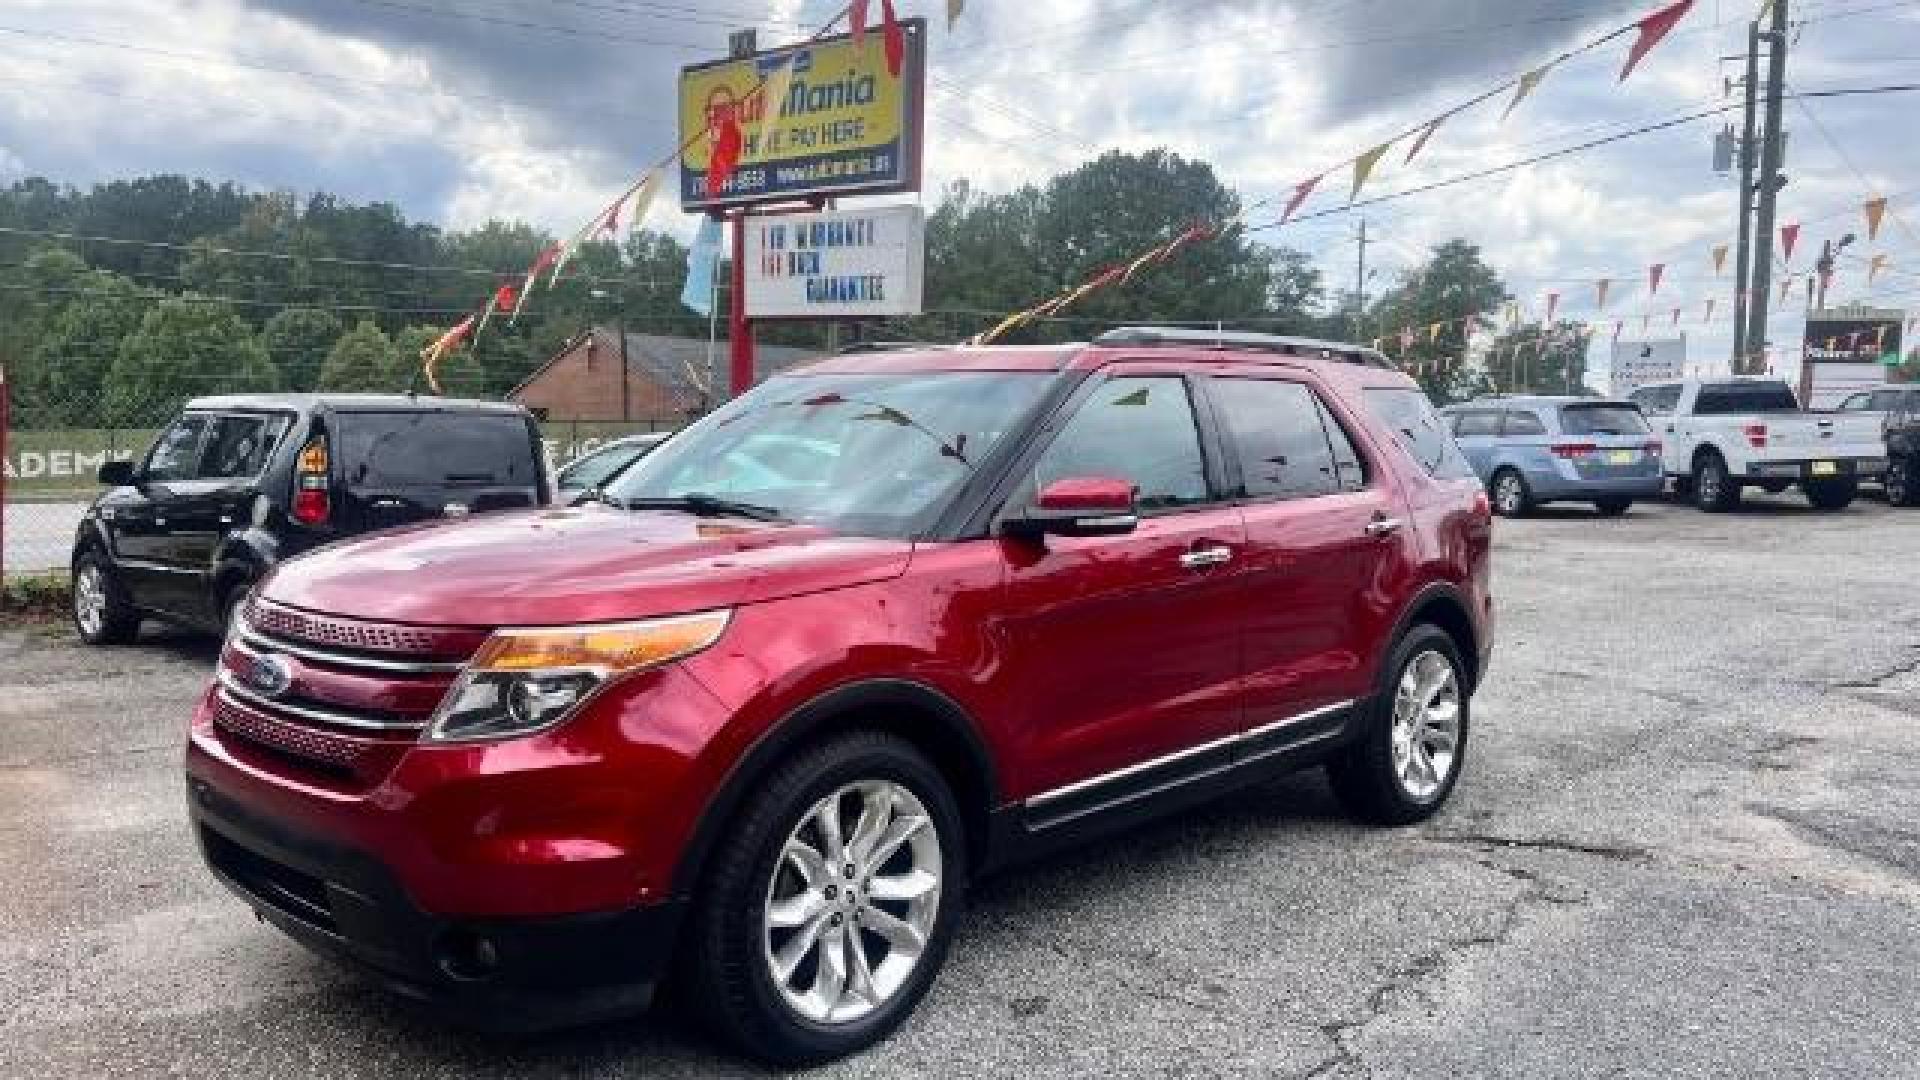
x=1687, y=844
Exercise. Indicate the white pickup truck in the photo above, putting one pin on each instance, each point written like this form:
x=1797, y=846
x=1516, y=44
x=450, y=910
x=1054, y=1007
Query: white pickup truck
x=1720, y=435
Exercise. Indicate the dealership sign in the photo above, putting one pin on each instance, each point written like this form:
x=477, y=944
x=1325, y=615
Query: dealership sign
x=1854, y=336
x=832, y=120
x=840, y=265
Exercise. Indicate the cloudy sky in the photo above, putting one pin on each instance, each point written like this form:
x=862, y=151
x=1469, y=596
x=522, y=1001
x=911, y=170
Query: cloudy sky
x=462, y=110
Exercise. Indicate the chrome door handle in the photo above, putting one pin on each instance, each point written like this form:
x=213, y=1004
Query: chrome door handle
x=1384, y=526
x=1202, y=558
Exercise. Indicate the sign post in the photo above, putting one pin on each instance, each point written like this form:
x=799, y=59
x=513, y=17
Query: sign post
x=4, y=420
x=831, y=119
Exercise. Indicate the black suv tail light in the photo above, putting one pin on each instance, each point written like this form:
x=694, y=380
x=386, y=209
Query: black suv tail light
x=312, y=502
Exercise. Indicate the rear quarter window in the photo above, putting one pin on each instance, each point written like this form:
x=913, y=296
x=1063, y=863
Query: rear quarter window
x=1415, y=425
x=1729, y=399
x=1602, y=420
x=440, y=450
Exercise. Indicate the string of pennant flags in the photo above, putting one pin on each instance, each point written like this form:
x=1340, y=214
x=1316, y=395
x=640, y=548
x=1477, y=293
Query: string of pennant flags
x=1648, y=32
x=728, y=138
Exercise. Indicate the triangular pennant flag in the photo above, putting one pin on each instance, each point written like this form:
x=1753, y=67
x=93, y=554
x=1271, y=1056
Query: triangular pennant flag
x=1676, y=316
x=726, y=142
x=1363, y=168
x=773, y=97
x=1652, y=29
x=954, y=8
x=1876, y=210
x=1553, y=305
x=1420, y=143
x=1433, y=332
x=1527, y=85
x=894, y=38
x=441, y=346
x=857, y=19
x=1654, y=274
x=1601, y=290
x=1300, y=193
x=1789, y=236
x=1878, y=264
x=1719, y=260
x=1618, y=326
x=1786, y=287
x=541, y=263
x=643, y=200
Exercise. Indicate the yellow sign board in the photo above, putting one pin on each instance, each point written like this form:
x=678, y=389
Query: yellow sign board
x=821, y=119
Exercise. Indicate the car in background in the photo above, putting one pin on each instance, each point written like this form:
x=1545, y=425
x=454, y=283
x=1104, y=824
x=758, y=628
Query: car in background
x=1901, y=427
x=881, y=626
x=1722, y=435
x=1530, y=451
x=237, y=485
x=600, y=466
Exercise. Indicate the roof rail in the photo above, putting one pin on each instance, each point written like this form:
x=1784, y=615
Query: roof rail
x=1237, y=341
x=858, y=347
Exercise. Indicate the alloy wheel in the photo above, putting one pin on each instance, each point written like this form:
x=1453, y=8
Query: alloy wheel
x=1510, y=495
x=90, y=600
x=1426, y=725
x=852, y=902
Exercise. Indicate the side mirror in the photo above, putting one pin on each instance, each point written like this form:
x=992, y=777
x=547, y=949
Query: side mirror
x=1079, y=506
x=117, y=474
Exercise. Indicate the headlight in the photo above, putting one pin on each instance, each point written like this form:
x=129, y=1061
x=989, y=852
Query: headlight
x=526, y=680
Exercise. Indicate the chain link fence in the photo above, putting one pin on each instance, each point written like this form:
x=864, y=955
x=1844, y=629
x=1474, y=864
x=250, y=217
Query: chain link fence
x=53, y=451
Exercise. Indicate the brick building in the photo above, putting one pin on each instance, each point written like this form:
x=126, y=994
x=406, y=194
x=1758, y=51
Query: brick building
x=667, y=378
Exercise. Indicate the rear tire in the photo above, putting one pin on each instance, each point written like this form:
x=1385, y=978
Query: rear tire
x=1714, y=489
x=1613, y=507
x=1511, y=497
x=733, y=956
x=1899, y=483
x=102, y=612
x=1831, y=495
x=1420, y=713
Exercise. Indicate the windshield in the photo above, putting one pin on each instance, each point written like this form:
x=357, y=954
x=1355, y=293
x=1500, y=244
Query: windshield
x=866, y=454
x=1603, y=420
x=600, y=466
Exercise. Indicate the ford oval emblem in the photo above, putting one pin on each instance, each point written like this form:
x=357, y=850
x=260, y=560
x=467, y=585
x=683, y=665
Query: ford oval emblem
x=270, y=676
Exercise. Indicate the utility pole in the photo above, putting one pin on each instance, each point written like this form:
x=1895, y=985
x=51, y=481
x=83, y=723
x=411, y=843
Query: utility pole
x=1743, y=268
x=1360, y=286
x=1760, y=286
x=626, y=372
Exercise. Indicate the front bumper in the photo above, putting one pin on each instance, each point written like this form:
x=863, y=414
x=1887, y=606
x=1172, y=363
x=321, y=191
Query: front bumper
x=506, y=974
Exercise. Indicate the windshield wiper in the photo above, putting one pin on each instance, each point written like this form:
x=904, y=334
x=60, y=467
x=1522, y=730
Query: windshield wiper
x=702, y=505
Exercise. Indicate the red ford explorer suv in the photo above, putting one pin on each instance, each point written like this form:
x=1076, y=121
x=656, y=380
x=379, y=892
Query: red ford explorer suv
x=757, y=713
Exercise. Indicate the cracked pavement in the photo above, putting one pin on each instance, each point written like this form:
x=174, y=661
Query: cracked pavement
x=1687, y=844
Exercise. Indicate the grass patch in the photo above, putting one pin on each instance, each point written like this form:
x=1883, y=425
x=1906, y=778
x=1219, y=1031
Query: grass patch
x=34, y=600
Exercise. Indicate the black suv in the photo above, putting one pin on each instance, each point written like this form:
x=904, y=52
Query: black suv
x=238, y=484
x=1902, y=425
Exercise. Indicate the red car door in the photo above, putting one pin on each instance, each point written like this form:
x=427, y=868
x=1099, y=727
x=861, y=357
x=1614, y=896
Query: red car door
x=1123, y=651
x=1324, y=536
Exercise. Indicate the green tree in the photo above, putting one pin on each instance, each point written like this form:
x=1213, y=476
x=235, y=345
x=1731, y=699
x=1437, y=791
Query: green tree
x=1454, y=284
x=298, y=340
x=1532, y=359
x=78, y=346
x=363, y=361
x=185, y=347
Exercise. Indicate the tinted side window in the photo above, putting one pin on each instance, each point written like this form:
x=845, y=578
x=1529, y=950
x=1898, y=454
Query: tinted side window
x=237, y=446
x=1658, y=400
x=1347, y=466
x=176, y=454
x=389, y=450
x=1410, y=416
x=1524, y=423
x=1476, y=425
x=1278, y=437
x=1885, y=400
x=1134, y=429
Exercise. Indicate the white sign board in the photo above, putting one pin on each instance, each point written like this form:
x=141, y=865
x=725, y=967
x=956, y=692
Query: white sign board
x=847, y=264
x=1637, y=363
x=1834, y=383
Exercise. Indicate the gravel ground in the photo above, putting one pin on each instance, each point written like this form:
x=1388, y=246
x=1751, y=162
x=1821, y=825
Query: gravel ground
x=1685, y=846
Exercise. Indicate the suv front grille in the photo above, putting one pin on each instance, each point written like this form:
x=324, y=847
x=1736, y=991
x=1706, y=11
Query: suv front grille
x=438, y=643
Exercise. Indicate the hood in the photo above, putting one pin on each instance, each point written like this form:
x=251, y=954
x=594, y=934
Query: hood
x=579, y=564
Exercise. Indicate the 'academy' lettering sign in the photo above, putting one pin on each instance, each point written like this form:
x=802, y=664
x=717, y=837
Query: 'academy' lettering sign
x=846, y=264
x=831, y=120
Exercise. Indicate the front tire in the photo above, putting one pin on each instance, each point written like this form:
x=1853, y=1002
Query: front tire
x=1414, y=741
x=1831, y=495
x=1511, y=498
x=102, y=612
x=1714, y=489
x=1899, y=483
x=831, y=902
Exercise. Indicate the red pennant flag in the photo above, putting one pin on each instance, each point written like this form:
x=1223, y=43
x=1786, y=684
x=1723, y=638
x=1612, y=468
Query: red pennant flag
x=895, y=37
x=1789, y=236
x=857, y=16
x=1420, y=143
x=724, y=131
x=1653, y=28
x=1553, y=305
x=1654, y=274
x=1300, y=193
x=506, y=299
